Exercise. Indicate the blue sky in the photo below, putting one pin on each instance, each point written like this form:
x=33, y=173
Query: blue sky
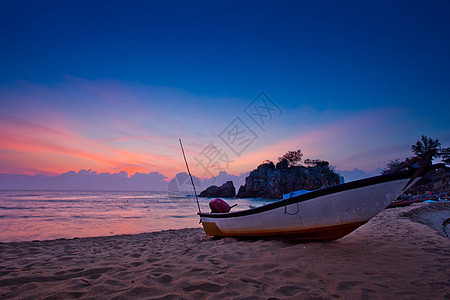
x=111, y=85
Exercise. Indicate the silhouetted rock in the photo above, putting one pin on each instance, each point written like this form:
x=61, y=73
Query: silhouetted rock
x=267, y=181
x=227, y=190
x=436, y=181
x=210, y=192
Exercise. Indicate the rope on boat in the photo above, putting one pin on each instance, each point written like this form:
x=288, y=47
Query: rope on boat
x=285, y=208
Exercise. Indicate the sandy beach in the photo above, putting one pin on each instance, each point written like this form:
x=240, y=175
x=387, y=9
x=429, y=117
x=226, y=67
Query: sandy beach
x=391, y=257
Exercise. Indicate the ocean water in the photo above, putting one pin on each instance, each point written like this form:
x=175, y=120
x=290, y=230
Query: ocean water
x=45, y=215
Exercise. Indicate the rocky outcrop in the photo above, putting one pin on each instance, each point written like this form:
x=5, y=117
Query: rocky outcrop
x=270, y=182
x=436, y=181
x=227, y=190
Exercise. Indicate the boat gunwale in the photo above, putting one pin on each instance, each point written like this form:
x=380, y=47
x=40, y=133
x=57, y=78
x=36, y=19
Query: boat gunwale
x=318, y=193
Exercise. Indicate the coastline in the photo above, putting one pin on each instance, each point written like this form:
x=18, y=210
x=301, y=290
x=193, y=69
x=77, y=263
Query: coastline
x=390, y=256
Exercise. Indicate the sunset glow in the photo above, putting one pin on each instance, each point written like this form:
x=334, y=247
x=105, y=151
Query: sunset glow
x=347, y=92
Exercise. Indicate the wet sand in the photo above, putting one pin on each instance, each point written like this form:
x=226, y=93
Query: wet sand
x=390, y=257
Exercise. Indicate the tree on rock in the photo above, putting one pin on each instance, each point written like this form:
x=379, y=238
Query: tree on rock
x=391, y=166
x=282, y=164
x=294, y=158
x=426, y=144
x=445, y=155
x=267, y=164
x=316, y=162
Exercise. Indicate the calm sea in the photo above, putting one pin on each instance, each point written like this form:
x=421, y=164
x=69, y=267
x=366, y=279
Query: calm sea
x=44, y=215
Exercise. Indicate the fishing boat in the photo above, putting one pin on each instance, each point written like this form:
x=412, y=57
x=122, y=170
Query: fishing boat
x=324, y=214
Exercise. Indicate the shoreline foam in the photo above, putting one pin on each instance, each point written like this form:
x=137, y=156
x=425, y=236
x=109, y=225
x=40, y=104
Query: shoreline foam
x=389, y=257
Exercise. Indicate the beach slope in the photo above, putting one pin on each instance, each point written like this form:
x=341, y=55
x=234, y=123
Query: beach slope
x=389, y=257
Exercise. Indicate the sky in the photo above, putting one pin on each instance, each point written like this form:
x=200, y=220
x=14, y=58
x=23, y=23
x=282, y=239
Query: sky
x=110, y=86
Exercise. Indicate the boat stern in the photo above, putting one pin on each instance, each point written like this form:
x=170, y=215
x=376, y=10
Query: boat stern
x=212, y=229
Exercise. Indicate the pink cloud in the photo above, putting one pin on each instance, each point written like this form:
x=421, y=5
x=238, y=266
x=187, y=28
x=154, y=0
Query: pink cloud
x=85, y=125
x=60, y=149
x=361, y=139
x=109, y=126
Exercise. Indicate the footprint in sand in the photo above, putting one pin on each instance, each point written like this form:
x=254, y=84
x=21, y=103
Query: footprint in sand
x=135, y=255
x=290, y=290
x=249, y=280
x=75, y=270
x=136, y=264
x=347, y=285
x=60, y=273
x=207, y=287
x=165, y=279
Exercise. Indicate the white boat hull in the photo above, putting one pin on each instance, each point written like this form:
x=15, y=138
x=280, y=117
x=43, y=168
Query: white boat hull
x=324, y=217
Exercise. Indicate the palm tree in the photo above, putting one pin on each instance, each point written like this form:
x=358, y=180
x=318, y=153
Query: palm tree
x=426, y=144
x=293, y=158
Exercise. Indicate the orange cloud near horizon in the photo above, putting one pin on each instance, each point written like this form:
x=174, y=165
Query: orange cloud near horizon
x=30, y=148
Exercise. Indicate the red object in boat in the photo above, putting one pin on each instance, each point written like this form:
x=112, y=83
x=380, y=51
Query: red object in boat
x=219, y=206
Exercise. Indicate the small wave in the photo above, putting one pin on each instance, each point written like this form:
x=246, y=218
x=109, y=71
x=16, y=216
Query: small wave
x=31, y=217
x=80, y=217
x=13, y=207
x=25, y=195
